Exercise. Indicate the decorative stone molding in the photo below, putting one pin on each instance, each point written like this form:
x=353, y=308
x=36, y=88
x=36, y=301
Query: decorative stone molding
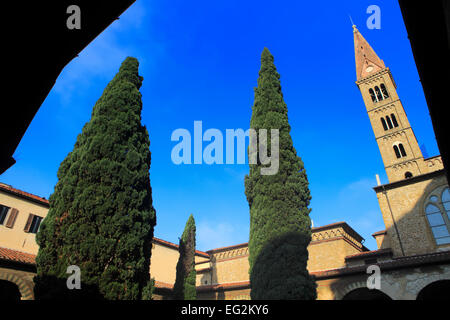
x=405, y=165
x=385, y=109
x=233, y=253
x=434, y=162
x=334, y=234
x=394, y=136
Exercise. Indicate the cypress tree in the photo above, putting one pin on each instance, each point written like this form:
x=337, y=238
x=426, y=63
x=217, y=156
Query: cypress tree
x=101, y=216
x=184, y=287
x=280, y=227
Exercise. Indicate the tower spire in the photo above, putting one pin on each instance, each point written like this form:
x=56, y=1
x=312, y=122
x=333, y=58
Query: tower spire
x=398, y=145
x=351, y=20
x=367, y=61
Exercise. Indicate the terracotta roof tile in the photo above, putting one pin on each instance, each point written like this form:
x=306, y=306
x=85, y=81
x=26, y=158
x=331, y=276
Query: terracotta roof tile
x=372, y=253
x=23, y=194
x=17, y=256
x=228, y=247
x=175, y=246
x=367, y=61
x=163, y=285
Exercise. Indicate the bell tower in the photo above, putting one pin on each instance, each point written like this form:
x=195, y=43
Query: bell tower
x=398, y=145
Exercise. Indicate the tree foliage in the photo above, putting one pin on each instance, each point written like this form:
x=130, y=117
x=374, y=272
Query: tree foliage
x=184, y=287
x=280, y=227
x=101, y=216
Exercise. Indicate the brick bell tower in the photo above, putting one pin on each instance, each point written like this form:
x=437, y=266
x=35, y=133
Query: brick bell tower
x=398, y=145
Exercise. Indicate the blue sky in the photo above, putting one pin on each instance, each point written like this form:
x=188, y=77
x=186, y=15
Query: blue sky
x=200, y=61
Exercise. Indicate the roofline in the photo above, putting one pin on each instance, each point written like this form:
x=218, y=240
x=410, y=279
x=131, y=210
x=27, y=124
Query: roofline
x=432, y=157
x=20, y=257
x=394, y=264
x=342, y=224
x=227, y=248
x=411, y=180
x=24, y=195
x=378, y=233
x=373, y=253
x=175, y=246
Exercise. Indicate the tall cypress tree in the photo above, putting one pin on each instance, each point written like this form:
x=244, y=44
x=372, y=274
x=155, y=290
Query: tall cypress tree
x=101, y=216
x=280, y=227
x=184, y=287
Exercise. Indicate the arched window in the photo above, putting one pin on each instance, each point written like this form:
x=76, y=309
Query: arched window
x=383, y=122
x=378, y=92
x=372, y=95
x=437, y=210
x=408, y=175
x=383, y=89
x=402, y=150
x=389, y=122
x=397, y=152
x=394, y=120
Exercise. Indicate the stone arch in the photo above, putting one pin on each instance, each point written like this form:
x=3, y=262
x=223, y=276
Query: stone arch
x=438, y=290
x=366, y=294
x=25, y=289
x=420, y=284
x=342, y=292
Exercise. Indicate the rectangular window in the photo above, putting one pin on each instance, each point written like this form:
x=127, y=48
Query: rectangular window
x=3, y=212
x=33, y=223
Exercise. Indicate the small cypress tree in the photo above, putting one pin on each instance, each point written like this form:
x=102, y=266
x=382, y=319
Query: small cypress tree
x=184, y=287
x=280, y=227
x=101, y=216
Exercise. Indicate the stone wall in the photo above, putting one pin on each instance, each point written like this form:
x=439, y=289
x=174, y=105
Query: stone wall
x=404, y=205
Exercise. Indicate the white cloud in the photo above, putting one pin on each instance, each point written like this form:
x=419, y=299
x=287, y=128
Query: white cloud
x=215, y=235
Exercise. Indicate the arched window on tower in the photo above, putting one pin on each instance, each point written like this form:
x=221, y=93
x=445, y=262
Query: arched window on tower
x=394, y=120
x=389, y=122
x=384, y=91
x=402, y=150
x=372, y=95
x=378, y=92
x=397, y=152
x=383, y=122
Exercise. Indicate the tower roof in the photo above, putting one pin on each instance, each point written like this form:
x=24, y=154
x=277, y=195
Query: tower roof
x=367, y=61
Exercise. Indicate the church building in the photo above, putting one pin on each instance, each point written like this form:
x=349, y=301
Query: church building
x=412, y=260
